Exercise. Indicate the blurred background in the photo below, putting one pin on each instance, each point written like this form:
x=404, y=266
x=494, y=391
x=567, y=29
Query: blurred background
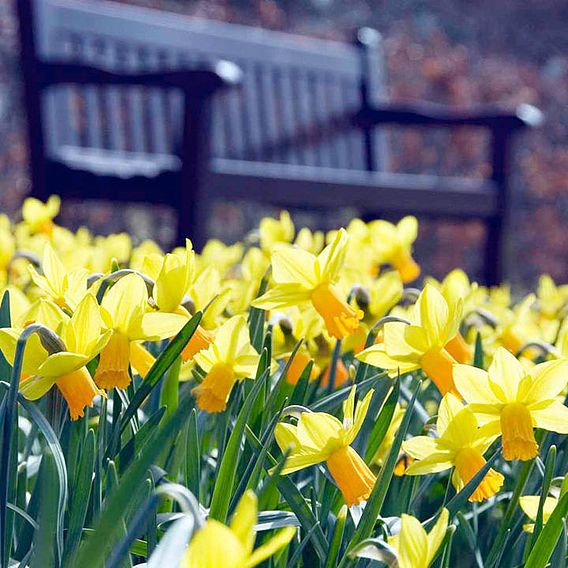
x=455, y=52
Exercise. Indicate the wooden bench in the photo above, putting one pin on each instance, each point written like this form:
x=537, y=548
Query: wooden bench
x=132, y=104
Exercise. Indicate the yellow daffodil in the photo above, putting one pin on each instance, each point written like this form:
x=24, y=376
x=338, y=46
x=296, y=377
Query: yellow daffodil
x=394, y=245
x=302, y=277
x=421, y=345
x=230, y=358
x=513, y=401
x=64, y=287
x=274, y=231
x=320, y=437
x=551, y=298
x=415, y=548
x=38, y=216
x=125, y=311
x=529, y=505
x=219, y=546
x=83, y=338
x=311, y=241
x=461, y=444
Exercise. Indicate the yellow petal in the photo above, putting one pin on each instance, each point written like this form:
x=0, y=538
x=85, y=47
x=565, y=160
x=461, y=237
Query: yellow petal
x=293, y=265
x=283, y=296
x=35, y=387
x=157, y=325
x=434, y=313
x=214, y=546
x=437, y=534
x=84, y=328
x=170, y=285
x=34, y=354
x=505, y=372
x=407, y=230
x=319, y=430
x=232, y=338
x=413, y=543
x=529, y=505
x=286, y=436
x=349, y=408
x=548, y=381
x=281, y=539
x=126, y=303
x=432, y=464
x=473, y=384
x=302, y=459
x=53, y=270
x=554, y=417
x=360, y=413
x=62, y=363
x=331, y=260
x=421, y=447
x=244, y=519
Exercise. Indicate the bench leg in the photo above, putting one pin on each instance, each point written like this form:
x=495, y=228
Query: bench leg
x=193, y=211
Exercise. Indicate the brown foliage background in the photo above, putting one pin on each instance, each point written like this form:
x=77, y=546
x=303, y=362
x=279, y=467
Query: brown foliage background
x=456, y=52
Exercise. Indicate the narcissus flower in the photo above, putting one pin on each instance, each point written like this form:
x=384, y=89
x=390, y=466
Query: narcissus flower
x=513, y=401
x=219, y=546
x=125, y=311
x=461, y=444
x=529, y=505
x=421, y=345
x=230, y=358
x=320, y=437
x=38, y=216
x=274, y=231
x=64, y=287
x=394, y=245
x=302, y=277
x=414, y=547
x=83, y=337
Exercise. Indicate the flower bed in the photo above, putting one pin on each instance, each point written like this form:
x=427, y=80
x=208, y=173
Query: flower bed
x=295, y=399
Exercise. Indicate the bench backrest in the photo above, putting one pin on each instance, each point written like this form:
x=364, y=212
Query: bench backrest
x=291, y=85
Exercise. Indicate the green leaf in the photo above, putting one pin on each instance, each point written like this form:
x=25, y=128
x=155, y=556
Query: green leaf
x=44, y=554
x=193, y=456
x=225, y=480
x=94, y=550
x=382, y=424
x=160, y=366
x=80, y=496
x=170, y=388
x=550, y=535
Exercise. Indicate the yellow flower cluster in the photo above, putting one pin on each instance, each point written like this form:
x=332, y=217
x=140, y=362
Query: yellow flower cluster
x=494, y=368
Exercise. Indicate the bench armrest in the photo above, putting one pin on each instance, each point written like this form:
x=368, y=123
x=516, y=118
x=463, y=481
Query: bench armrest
x=429, y=114
x=204, y=78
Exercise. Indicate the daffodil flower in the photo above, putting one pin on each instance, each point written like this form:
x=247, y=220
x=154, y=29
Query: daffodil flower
x=230, y=358
x=83, y=338
x=421, y=345
x=320, y=437
x=125, y=311
x=274, y=231
x=415, y=548
x=38, y=216
x=65, y=287
x=302, y=277
x=219, y=546
x=529, y=505
x=394, y=245
x=461, y=444
x=513, y=401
